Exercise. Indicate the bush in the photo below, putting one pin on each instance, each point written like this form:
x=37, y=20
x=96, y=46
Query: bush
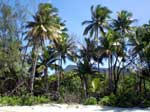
x=90, y=101
x=10, y=100
x=132, y=100
x=23, y=100
x=108, y=100
x=125, y=100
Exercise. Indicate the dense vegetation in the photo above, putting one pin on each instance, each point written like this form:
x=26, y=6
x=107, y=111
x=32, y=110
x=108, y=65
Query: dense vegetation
x=30, y=50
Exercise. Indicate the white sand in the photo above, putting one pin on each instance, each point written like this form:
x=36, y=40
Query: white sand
x=68, y=108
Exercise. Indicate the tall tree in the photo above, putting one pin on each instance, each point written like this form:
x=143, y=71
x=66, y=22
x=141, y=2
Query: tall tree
x=11, y=28
x=123, y=25
x=140, y=48
x=65, y=49
x=44, y=27
x=106, y=49
x=85, y=64
x=47, y=61
x=98, y=22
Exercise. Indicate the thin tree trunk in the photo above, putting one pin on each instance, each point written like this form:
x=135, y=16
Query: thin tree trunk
x=85, y=87
x=110, y=77
x=96, y=36
x=46, y=79
x=140, y=85
x=115, y=86
x=144, y=83
x=58, y=81
x=33, y=68
x=58, y=75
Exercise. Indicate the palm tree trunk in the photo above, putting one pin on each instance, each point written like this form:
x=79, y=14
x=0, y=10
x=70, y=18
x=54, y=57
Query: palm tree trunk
x=109, y=73
x=58, y=75
x=58, y=81
x=85, y=85
x=96, y=36
x=46, y=79
x=113, y=81
x=33, y=68
x=140, y=84
x=144, y=84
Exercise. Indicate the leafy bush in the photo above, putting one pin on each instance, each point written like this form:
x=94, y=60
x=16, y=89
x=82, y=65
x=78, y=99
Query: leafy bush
x=90, y=101
x=132, y=100
x=125, y=100
x=10, y=100
x=108, y=100
x=24, y=100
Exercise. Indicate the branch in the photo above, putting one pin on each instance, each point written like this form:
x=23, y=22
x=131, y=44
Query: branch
x=16, y=88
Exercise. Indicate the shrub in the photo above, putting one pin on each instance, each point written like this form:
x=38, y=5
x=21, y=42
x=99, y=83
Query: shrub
x=108, y=100
x=90, y=101
x=125, y=100
x=23, y=100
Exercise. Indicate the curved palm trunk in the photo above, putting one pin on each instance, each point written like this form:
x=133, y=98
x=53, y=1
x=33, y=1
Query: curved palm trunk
x=35, y=49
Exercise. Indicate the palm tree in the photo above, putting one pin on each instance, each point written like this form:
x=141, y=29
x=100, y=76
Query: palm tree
x=109, y=50
x=106, y=52
x=85, y=64
x=88, y=51
x=123, y=25
x=123, y=22
x=141, y=49
x=47, y=61
x=43, y=27
x=65, y=49
x=98, y=21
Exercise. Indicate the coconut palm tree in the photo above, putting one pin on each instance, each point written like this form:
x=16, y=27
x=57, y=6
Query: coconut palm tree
x=89, y=50
x=106, y=53
x=123, y=25
x=47, y=61
x=85, y=65
x=141, y=48
x=110, y=49
x=65, y=49
x=123, y=22
x=98, y=22
x=43, y=27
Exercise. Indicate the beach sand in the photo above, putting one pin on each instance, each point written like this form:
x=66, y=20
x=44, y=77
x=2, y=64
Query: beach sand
x=68, y=108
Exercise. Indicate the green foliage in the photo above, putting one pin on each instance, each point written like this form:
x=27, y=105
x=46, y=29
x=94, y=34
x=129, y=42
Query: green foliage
x=125, y=100
x=95, y=84
x=23, y=100
x=90, y=101
x=108, y=39
x=70, y=88
x=108, y=100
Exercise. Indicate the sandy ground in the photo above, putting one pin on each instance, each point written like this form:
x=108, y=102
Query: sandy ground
x=67, y=108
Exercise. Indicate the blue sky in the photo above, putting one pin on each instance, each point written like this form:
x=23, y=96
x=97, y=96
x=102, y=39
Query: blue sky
x=76, y=11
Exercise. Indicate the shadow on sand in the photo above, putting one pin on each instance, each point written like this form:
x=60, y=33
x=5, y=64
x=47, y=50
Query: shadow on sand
x=117, y=109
